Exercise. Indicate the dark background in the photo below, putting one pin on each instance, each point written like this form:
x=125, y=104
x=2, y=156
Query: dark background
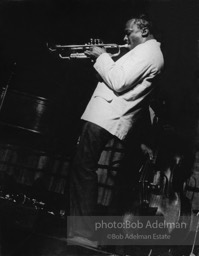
x=46, y=96
x=26, y=26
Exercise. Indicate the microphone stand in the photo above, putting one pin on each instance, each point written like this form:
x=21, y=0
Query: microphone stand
x=194, y=240
x=4, y=91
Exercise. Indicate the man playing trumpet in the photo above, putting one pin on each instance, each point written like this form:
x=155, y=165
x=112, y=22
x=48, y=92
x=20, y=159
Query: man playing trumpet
x=118, y=103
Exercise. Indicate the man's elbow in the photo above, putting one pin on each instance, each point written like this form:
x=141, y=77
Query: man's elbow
x=119, y=87
x=117, y=83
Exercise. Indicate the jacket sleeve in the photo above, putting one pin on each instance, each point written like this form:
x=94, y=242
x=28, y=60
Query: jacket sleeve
x=121, y=77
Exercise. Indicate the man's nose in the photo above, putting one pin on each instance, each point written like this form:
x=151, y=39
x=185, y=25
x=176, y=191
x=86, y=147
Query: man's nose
x=125, y=38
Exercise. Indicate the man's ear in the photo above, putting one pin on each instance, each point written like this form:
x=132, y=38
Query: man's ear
x=145, y=32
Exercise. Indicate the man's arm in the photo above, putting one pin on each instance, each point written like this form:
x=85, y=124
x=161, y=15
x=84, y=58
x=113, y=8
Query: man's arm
x=122, y=77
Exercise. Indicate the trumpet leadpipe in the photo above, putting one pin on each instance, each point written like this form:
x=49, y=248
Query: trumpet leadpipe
x=86, y=46
x=77, y=51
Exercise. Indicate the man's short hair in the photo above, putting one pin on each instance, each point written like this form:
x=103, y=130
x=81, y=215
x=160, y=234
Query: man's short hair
x=143, y=22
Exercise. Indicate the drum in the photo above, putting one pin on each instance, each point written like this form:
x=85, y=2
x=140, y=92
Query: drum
x=25, y=111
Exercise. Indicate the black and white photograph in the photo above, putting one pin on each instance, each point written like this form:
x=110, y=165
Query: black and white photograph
x=99, y=127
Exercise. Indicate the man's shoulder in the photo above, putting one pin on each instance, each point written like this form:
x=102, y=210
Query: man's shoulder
x=150, y=44
x=148, y=51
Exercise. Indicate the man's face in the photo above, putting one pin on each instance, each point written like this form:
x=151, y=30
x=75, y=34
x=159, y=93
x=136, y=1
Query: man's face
x=133, y=34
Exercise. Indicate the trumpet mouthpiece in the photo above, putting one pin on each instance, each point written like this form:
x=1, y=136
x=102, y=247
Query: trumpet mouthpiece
x=125, y=46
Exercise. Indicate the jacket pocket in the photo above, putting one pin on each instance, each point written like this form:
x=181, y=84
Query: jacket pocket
x=109, y=100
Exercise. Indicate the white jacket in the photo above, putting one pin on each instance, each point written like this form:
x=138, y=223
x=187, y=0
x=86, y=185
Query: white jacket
x=118, y=101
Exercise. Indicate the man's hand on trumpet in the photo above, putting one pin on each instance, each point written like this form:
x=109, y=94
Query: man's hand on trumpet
x=94, y=52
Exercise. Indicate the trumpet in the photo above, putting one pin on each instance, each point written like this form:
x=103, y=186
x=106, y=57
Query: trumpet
x=77, y=51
